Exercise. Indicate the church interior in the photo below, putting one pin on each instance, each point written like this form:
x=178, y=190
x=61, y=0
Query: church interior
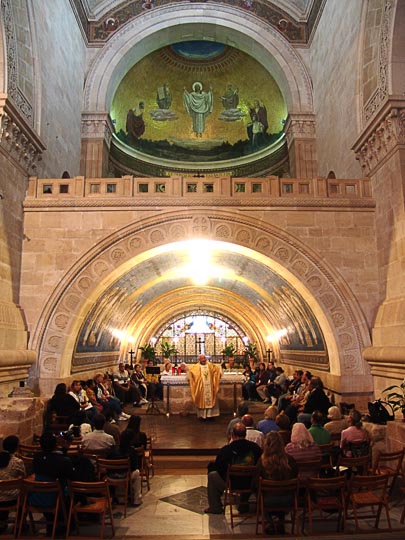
x=202, y=174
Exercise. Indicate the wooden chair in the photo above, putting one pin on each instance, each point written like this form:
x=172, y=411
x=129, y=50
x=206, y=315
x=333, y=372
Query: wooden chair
x=352, y=465
x=277, y=497
x=326, y=495
x=117, y=472
x=28, y=450
x=149, y=456
x=89, y=498
x=238, y=489
x=369, y=491
x=143, y=469
x=308, y=469
x=7, y=486
x=390, y=463
x=45, y=498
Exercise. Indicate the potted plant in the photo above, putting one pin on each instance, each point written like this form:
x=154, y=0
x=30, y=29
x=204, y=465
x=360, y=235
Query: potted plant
x=251, y=352
x=148, y=352
x=229, y=352
x=395, y=396
x=167, y=349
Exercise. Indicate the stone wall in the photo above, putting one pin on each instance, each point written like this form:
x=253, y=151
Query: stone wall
x=22, y=417
x=60, y=79
x=333, y=65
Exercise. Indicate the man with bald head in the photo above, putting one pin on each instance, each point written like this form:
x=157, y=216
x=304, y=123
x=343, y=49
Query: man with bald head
x=204, y=378
x=239, y=451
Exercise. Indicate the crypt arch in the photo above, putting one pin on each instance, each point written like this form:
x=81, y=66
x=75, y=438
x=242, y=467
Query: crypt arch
x=333, y=304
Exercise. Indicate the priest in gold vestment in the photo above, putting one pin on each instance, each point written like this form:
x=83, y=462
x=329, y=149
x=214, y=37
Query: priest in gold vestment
x=204, y=380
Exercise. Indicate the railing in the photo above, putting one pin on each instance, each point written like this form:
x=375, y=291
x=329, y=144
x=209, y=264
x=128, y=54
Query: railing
x=211, y=188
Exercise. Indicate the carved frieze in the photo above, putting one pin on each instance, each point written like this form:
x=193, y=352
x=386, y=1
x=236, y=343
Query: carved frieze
x=21, y=102
x=380, y=139
x=97, y=126
x=17, y=139
x=381, y=92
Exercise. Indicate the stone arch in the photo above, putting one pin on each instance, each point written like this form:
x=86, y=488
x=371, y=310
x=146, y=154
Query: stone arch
x=230, y=25
x=327, y=293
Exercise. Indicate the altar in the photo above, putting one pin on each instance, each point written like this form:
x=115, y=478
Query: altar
x=177, y=395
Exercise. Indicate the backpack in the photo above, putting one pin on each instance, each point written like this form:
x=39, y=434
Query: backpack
x=378, y=412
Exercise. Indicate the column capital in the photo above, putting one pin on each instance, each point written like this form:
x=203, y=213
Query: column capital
x=97, y=125
x=300, y=126
x=17, y=139
x=382, y=136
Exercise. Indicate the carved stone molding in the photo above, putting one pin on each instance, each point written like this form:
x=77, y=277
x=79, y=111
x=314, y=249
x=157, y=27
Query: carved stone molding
x=300, y=126
x=97, y=126
x=17, y=138
x=381, y=92
x=379, y=139
x=21, y=102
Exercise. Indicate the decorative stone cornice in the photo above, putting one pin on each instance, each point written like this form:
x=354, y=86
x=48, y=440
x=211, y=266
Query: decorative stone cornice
x=17, y=138
x=381, y=92
x=10, y=35
x=380, y=138
x=97, y=126
x=300, y=126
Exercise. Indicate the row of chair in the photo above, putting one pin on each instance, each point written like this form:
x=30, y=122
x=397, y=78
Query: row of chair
x=85, y=497
x=350, y=477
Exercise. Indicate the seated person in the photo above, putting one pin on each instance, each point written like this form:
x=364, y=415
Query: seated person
x=303, y=448
x=139, y=379
x=354, y=434
x=337, y=423
x=11, y=468
x=275, y=388
x=106, y=400
x=239, y=451
x=318, y=432
x=125, y=390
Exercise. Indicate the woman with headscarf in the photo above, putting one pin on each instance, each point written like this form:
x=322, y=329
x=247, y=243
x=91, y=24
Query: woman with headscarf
x=337, y=423
x=303, y=448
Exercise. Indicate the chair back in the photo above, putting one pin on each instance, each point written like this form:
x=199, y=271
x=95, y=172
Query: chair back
x=39, y=498
x=89, y=498
x=308, y=468
x=11, y=491
x=239, y=478
x=353, y=465
x=277, y=496
x=389, y=462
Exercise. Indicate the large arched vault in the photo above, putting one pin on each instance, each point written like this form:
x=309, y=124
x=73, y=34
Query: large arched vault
x=138, y=277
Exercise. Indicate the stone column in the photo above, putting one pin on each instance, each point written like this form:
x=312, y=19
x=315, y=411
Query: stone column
x=300, y=131
x=381, y=152
x=97, y=130
x=20, y=149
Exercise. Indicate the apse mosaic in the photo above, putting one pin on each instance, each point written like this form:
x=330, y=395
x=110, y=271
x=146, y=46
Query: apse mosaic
x=198, y=101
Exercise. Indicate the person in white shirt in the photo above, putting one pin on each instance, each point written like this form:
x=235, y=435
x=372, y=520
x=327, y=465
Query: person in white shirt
x=98, y=439
x=252, y=434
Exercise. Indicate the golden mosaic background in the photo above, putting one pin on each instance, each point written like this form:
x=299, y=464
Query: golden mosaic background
x=236, y=67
